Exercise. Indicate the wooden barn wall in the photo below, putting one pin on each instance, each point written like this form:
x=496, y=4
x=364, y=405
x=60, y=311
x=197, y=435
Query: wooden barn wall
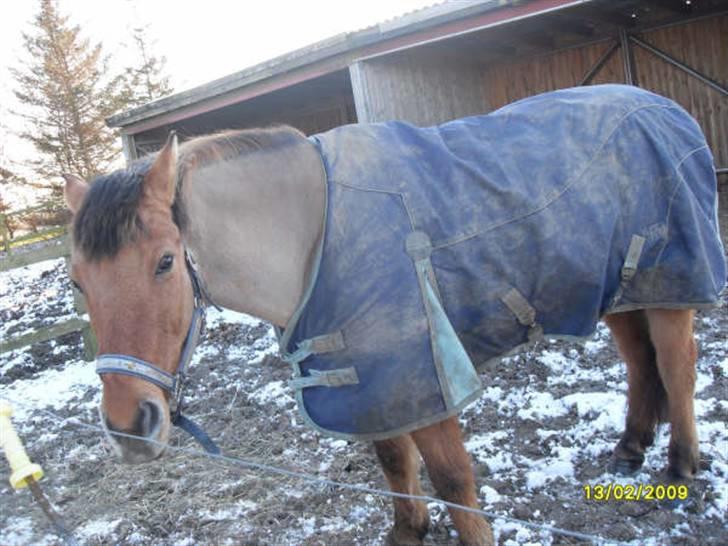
x=506, y=83
x=416, y=87
x=702, y=44
x=311, y=120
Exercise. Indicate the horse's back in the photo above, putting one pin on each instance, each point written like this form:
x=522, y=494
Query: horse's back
x=474, y=237
x=546, y=195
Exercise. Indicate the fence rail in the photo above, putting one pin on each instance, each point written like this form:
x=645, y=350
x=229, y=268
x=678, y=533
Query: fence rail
x=7, y=239
x=53, y=249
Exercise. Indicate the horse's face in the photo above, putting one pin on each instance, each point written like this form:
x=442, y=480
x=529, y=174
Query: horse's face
x=140, y=305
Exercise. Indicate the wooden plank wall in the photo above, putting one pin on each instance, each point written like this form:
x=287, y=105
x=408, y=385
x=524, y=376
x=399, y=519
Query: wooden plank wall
x=506, y=83
x=702, y=44
x=418, y=87
x=310, y=121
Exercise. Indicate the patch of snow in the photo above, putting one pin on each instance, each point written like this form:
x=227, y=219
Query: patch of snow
x=541, y=405
x=240, y=508
x=187, y=541
x=17, y=532
x=498, y=462
x=489, y=495
x=486, y=440
x=215, y=317
x=54, y=388
x=545, y=470
x=360, y=514
x=275, y=392
x=23, y=291
x=97, y=528
x=594, y=346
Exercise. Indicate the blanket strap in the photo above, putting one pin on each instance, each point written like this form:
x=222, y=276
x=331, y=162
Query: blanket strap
x=459, y=382
x=326, y=378
x=524, y=312
x=633, y=257
x=327, y=343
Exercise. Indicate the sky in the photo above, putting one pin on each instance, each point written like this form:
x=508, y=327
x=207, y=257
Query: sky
x=201, y=39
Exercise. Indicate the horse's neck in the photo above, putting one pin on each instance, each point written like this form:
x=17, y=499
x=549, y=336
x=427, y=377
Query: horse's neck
x=255, y=225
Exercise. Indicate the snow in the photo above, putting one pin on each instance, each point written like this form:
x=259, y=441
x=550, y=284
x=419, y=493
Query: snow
x=97, y=528
x=554, y=454
x=276, y=392
x=53, y=388
x=19, y=532
x=215, y=317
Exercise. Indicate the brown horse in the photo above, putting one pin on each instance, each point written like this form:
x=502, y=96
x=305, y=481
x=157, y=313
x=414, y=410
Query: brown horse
x=248, y=205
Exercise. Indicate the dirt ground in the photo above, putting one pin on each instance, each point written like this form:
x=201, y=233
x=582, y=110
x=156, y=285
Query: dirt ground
x=535, y=445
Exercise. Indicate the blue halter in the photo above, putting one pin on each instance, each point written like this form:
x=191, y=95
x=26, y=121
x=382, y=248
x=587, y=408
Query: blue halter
x=171, y=383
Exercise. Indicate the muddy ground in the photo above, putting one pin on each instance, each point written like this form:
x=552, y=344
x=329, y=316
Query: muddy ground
x=543, y=429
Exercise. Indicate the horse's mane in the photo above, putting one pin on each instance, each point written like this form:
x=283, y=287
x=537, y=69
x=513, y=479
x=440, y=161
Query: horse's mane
x=109, y=216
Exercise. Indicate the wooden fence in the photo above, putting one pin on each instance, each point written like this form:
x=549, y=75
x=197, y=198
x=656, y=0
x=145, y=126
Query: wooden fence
x=55, y=247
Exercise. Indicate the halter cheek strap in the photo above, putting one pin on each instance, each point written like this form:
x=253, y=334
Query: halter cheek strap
x=171, y=383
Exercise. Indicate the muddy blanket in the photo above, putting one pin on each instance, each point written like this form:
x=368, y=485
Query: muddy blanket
x=460, y=243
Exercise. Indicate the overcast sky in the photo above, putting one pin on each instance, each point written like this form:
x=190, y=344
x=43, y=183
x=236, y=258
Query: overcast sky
x=202, y=39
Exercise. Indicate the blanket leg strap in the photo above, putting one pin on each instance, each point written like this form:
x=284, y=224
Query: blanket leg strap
x=633, y=257
x=629, y=267
x=525, y=313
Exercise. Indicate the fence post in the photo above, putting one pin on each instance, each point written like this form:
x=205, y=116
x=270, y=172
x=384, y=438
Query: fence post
x=5, y=232
x=90, y=345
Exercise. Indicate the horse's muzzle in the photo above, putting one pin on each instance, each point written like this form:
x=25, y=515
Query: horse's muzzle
x=146, y=439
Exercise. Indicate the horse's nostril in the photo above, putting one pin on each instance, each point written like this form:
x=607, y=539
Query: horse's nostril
x=148, y=419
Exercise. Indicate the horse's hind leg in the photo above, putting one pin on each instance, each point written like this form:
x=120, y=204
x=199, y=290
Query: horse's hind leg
x=645, y=392
x=671, y=331
x=401, y=464
x=451, y=472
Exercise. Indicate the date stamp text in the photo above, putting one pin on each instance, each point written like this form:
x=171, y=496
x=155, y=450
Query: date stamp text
x=636, y=492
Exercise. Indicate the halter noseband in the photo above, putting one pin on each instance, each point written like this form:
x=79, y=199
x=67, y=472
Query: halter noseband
x=172, y=383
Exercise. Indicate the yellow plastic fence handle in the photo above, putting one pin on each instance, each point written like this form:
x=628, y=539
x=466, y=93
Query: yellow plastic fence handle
x=15, y=452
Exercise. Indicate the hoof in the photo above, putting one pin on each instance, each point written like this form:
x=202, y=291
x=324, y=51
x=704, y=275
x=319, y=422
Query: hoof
x=396, y=539
x=624, y=467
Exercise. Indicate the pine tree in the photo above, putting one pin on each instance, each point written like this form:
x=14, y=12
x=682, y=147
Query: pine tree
x=67, y=95
x=147, y=81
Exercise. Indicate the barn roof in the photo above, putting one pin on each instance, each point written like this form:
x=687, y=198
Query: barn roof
x=341, y=44
x=463, y=22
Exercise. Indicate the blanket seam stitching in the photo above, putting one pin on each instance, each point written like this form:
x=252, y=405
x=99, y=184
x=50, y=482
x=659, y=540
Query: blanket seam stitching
x=566, y=188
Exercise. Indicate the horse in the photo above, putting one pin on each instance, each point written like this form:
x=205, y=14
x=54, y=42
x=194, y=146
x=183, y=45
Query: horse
x=256, y=220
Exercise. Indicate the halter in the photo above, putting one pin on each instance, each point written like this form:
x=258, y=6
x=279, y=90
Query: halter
x=171, y=383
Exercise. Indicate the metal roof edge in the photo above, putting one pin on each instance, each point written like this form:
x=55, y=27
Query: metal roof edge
x=339, y=44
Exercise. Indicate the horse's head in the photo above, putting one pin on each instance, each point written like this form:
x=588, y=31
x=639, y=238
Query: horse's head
x=128, y=259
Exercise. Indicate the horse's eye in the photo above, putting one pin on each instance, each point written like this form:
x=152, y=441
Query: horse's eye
x=165, y=264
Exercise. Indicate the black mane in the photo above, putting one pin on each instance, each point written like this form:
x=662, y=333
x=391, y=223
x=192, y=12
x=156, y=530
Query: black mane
x=109, y=216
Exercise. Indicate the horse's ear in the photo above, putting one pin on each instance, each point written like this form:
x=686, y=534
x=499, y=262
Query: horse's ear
x=74, y=191
x=161, y=179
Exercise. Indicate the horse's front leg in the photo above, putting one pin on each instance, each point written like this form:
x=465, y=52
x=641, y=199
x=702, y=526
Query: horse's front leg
x=451, y=472
x=401, y=464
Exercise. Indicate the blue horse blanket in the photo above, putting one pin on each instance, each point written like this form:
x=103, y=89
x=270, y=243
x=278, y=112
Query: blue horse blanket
x=457, y=244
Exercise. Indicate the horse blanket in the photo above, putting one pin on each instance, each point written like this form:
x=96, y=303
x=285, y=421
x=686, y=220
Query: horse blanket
x=456, y=244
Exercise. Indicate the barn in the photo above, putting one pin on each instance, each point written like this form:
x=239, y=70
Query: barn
x=455, y=59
